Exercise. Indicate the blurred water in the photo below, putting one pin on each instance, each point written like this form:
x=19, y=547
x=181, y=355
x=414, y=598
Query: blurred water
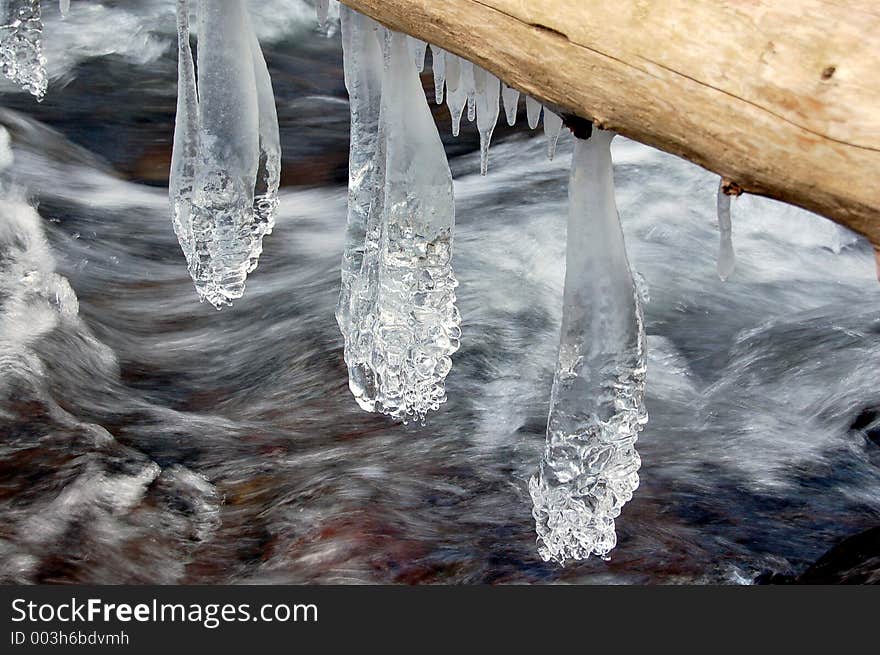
x=148, y=438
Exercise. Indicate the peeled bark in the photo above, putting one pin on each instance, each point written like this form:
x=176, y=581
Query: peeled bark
x=780, y=96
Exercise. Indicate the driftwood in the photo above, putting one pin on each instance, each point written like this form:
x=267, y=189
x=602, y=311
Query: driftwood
x=781, y=97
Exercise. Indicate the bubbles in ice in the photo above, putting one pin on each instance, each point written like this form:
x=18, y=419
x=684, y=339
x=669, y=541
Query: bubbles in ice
x=226, y=159
x=590, y=464
x=21, y=49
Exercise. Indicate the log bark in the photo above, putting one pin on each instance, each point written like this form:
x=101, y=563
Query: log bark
x=780, y=96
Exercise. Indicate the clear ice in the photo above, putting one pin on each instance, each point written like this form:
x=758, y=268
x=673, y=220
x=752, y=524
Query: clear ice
x=488, y=92
x=726, y=256
x=363, y=64
x=417, y=325
x=226, y=159
x=552, y=129
x=322, y=10
x=590, y=464
x=533, y=112
x=438, y=63
x=21, y=49
x=64, y=7
x=419, y=49
x=510, y=96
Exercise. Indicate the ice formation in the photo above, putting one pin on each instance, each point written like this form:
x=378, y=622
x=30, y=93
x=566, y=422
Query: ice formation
x=533, y=112
x=356, y=309
x=396, y=307
x=510, y=96
x=322, y=9
x=416, y=328
x=64, y=7
x=21, y=49
x=590, y=464
x=726, y=256
x=552, y=128
x=438, y=63
x=226, y=159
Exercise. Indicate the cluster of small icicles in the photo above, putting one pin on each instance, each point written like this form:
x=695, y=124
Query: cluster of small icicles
x=397, y=305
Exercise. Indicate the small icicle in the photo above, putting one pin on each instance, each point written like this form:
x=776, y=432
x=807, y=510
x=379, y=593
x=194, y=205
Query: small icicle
x=511, y=103
x=225, y=163
x=64, y=7
x=469, y=85
x=456, y=91
x=877, y=261
x=533, y=111
x=438, y=63
x=590, y=465
x=417, y=325
x=269, y=171
x=322, y=9
x=21, y=48
x=726, y=255
x=488, y=89
x=552, y=128
x=418, y=48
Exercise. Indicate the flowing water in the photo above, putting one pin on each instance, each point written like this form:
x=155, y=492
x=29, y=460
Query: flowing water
x=145, y=437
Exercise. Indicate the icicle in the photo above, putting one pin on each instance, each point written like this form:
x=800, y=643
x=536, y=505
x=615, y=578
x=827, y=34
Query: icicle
x=417, y=327
x=418, y=48
x=590, y=464
x=21, y=49
x=438, y=63
x=488, y=90
x=322, y=9
x=456, y=92
x=64, y=7
x=552, y=128
x=356, y=310
x=269, y=170
x=533, y=111
x=468, y=80
x=226, y=159
x=511, y=103
x=186, y=143
x=726, y=256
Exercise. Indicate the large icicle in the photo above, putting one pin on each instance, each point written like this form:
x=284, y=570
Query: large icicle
x=533, y=112
x=21, y=48
x=356, y=310
x=590, y=463
x=417, y=328
x=726, y=256
x=226, y=160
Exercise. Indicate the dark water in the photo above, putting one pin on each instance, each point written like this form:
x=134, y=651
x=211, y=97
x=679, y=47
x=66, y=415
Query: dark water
x=145, y=437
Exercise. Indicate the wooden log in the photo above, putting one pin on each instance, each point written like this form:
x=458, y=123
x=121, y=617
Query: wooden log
x=780, y=96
